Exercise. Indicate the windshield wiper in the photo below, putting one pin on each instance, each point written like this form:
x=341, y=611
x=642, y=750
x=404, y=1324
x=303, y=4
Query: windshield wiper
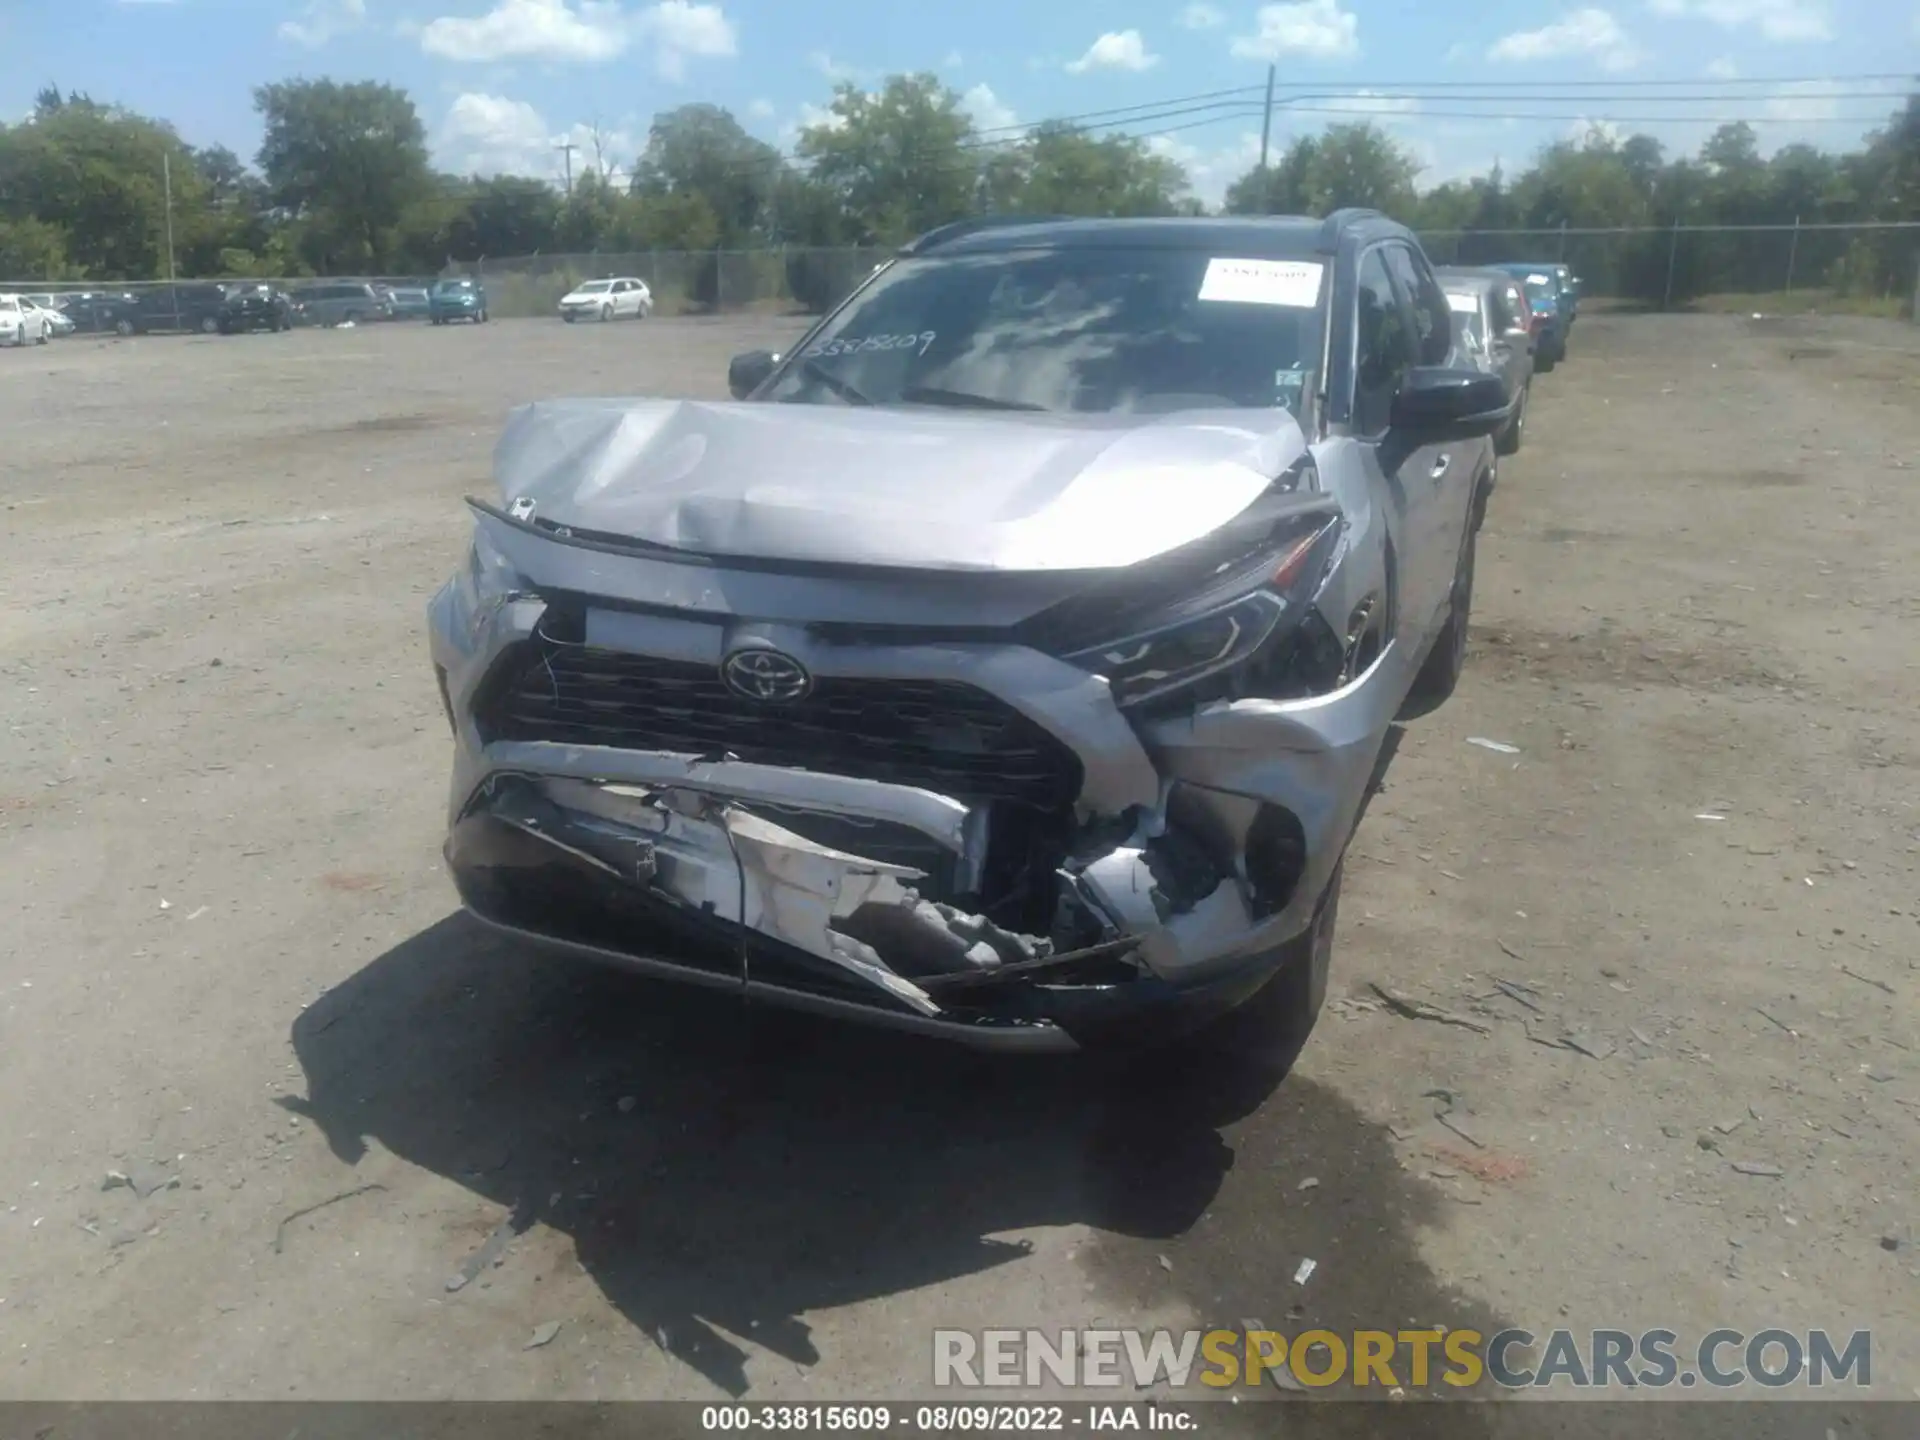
x=833, y=382
x=961, y=399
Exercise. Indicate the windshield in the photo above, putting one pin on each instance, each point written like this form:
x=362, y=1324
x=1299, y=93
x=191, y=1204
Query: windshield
x=1540, y=293
x=452, y=287
x=593, y=287
x=1091, y=330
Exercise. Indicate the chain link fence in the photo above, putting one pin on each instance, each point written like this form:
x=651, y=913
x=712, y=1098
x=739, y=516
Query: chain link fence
x=1868, y=267
x=1871, y=268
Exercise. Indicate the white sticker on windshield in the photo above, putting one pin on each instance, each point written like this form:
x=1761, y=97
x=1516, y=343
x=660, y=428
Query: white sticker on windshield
x=1294, y=283
x=1539, y=279
x=1464, y=304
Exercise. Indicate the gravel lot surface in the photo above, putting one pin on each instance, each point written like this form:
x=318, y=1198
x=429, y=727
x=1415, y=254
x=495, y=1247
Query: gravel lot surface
x=234, y=965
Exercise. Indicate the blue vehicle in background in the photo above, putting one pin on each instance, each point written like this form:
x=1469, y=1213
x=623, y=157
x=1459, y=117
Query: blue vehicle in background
x=458, y=298
x=1553, y=303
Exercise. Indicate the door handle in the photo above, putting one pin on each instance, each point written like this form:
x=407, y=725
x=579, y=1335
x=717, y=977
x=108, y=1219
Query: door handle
x=1440, y=466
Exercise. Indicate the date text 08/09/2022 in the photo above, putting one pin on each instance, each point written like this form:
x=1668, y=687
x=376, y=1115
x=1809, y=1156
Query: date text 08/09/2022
x=942, y=1419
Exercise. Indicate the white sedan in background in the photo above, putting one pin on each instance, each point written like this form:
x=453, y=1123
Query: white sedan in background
x=22, y=324
x=58, y=321
x=616, y=298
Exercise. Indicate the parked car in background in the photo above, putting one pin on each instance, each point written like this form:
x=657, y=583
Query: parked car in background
x=1493, y=322
x=617, y=298
x=193, y=306
x=1569, y=289
x=57, y=322
x=457, y=298
x=98, y=311
x=1550, y=300
x=21, y=323
x=255, y=307
x=340, y=302
x=1009, y=661
x=410, y=302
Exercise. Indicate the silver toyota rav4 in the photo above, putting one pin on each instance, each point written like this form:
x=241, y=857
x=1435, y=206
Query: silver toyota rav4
x=1008, y=661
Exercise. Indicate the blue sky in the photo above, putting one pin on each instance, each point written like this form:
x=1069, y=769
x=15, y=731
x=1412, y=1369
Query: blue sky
x=500, y=82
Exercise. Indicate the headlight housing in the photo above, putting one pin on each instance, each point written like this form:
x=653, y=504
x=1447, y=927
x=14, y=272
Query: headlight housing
x=488, y=583
x=1255, y=616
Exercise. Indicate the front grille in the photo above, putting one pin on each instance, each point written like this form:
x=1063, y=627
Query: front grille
x=950, y=738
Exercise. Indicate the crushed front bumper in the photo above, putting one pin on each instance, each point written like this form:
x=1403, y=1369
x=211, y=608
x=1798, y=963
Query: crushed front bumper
x=1200, y=843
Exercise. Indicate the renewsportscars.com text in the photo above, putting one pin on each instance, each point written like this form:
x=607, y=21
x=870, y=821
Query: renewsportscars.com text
x=1725, y=1359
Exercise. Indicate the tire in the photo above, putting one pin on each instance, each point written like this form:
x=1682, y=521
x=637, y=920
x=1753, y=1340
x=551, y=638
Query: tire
x=45, y=335
x=1516, y=432
x=1440, y=673
x=123, y=327
x=483, y=317
x=1266, y=1031
x=352, y=317
x=606, y=313
x=1544, y=361
x=209, y=325
x=568, y=318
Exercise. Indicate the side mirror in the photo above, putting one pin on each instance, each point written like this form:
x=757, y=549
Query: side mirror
x=1437, y=404
x=748, y=372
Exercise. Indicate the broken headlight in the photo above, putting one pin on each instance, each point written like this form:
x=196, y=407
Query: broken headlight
x=488, y=583
x=1235, y=620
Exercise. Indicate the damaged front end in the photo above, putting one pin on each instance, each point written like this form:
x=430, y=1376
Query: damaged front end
x=1044, y=812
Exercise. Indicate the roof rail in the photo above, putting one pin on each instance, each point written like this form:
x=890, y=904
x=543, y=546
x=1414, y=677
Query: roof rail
x=1331, y=227
x=953, y=230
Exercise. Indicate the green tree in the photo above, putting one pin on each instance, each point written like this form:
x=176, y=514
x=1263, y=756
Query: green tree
x=349, y=159
x=1066, y=171
x=504, y=215
x=900, y=162
x=701, y=151
x=1347, y=164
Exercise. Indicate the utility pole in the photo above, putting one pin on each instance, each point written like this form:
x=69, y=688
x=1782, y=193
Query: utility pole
x=166, y=182
x=1266, y=131
x=567, y=147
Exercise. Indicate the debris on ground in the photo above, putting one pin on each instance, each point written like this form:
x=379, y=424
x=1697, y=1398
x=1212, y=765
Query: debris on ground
x=1273, y=1361
x=1498, y=746
x=1866, y=979
x=1444, y=1115
x=1312, y=1182
x=1420, y=1010
x=1586, y=1044
x=142, y=1177
x=1889, y=1243
x=542, y=1335
x=1165, y=1263
x=1776, y=1020
x=491, y=1252
x=1489, y=1168
x=1755, y=1167
x=280, y=1230
x=625, y=1104
x=1305, y=1272
x=1516, y=992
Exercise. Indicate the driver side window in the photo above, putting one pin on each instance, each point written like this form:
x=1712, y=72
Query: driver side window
x=1383, y=346
x=1432, y=317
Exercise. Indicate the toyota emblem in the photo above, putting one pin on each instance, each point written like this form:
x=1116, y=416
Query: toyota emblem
x=765, y=675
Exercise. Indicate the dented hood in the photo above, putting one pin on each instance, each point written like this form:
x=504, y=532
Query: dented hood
x=913, y=487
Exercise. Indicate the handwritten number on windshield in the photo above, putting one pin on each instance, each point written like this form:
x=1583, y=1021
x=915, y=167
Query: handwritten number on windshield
x=870, y=345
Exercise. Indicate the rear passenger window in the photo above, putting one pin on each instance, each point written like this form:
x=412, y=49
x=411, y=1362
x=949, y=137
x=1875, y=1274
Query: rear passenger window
x=1383, y=346
x=1432, y=318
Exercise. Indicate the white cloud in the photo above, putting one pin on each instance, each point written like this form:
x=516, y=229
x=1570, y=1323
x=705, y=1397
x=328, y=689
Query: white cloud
x=493, y=135
x=810, y=117
x=321, y=20
x=1116, y=50
x=1783, y=20
x=952, y=60
x=1202, y=16
x=1210, y=172
x=761, y=109
x=835, y=70
x=1368, y=102
x=680, y=30
x=1589, y=32
x=1317, y=28
x=590, y=30
x=1723, y=69
x=1802, y=102
x=989, y=111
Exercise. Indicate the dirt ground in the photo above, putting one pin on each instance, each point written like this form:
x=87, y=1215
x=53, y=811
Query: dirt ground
x=234, y=963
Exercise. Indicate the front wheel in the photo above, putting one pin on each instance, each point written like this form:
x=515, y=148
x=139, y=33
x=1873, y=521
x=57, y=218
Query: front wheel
x=209, y=325
x=123, y=327
x=606, y=313
x=483, y=317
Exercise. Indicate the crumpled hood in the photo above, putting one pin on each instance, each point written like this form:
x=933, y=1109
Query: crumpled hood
x=881, y=486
